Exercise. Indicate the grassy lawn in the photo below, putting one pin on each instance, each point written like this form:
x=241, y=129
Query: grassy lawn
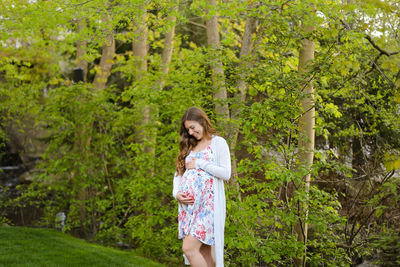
x=20, y=246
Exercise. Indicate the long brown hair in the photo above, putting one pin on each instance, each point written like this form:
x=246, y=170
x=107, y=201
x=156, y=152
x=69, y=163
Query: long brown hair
x=187, y=142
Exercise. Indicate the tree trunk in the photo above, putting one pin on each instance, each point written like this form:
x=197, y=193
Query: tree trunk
x=139, y=44
x=84, y=132
x=306, y=132
x=217, y=71
x=81, y=194
x=168, y=46
x=240, y=96
x=107, y=59
x=139, y=52
x=81, y=45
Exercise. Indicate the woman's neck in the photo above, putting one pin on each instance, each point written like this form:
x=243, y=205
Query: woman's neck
x=202, y=144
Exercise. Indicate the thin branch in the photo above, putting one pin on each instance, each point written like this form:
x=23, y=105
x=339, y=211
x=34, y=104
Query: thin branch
x=383, y=74
x=79, y=4
x=198, y=24
x=373, y=64
x=125, y=215
x=382, y=51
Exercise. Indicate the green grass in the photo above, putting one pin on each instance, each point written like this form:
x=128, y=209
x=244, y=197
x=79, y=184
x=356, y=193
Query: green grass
x=21, y=246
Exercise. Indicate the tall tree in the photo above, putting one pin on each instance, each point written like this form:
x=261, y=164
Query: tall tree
x=107, y=55
x=168, y=44
x=241, y=88
x=83, y=136
x=139, y=53
x=217, y=70
x=306, y=128
x=81, y=45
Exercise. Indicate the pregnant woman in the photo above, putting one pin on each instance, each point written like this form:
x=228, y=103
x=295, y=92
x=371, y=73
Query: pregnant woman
x=203, y=163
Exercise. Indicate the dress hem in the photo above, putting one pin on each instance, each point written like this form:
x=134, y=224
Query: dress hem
x=212, y=245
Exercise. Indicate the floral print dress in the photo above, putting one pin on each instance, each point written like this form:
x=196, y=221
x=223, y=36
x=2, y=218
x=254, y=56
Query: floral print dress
x=198, y=219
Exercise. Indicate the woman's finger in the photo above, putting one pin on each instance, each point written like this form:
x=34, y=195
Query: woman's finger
x=188, y=201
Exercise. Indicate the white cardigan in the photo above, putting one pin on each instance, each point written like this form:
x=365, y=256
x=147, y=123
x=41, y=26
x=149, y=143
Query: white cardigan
x=221, y=169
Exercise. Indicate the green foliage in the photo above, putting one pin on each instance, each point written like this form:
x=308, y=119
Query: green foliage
x=99, y=171
x=260, y=226
x=386, y=246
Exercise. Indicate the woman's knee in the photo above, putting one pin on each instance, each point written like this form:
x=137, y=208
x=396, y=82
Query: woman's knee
x=188, y=250
x=190, y=247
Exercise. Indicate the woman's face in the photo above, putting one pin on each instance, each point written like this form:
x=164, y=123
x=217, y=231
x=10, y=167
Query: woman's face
x=194, y=129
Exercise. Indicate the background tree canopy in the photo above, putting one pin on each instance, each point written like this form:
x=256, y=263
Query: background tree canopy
x=307, y=93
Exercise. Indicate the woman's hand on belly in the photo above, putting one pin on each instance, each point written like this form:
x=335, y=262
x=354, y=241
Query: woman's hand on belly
x=191, y=164
x=184, y=199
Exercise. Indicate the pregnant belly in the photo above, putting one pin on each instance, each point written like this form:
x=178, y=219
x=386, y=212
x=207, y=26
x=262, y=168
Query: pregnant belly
x=193, y=182
x=188, y=179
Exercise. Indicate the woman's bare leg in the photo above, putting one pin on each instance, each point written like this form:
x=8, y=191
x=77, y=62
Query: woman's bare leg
x=205, y=250
x=191, y=247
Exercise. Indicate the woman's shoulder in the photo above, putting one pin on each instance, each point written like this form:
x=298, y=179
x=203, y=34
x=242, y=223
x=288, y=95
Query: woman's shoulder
x=218, y=139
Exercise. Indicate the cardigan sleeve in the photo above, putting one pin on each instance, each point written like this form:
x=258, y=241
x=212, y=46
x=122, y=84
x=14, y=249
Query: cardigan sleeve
x=177, y=180
x=222, y=168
